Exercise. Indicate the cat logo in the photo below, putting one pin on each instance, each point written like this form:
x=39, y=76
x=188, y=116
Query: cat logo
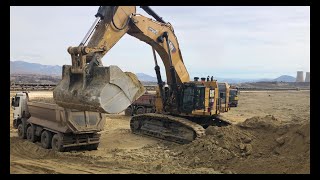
x=172, y=48
x=152, y=30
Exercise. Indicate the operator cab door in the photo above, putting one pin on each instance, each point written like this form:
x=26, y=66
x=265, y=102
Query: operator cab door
x=188, y=95
x=193, y=98
x=199, y=98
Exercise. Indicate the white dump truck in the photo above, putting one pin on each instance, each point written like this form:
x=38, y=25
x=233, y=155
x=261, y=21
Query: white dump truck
x=56, y=127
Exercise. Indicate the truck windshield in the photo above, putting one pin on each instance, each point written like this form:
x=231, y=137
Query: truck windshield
x=79, y=119
x=93, y=119
x=16, y=102
x=233, y=92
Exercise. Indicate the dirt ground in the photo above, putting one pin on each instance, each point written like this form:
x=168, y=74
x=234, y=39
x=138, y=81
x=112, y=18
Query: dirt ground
x=270, y=134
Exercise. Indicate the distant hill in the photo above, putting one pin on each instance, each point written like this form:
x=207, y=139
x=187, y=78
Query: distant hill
x=22, y=67
x=234, y=80
x=146, y=77
x=285, y=78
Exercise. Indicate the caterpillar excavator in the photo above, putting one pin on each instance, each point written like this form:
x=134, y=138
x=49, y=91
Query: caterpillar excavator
x=184, y=107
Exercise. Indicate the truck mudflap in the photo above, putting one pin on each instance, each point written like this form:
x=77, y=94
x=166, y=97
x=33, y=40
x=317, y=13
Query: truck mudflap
x=105, y=90
x=80, y=140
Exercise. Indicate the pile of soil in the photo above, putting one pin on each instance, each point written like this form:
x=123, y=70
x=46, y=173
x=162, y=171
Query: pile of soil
x=257, y=145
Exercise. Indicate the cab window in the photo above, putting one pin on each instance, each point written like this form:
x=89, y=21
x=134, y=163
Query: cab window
x=16, y=102
x=187, y=101
x=199, y=97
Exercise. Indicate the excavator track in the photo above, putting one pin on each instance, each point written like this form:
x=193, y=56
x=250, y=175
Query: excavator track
x=169, y=128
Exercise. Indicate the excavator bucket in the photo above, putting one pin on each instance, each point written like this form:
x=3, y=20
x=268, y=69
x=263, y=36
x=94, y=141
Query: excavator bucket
x=107, y=90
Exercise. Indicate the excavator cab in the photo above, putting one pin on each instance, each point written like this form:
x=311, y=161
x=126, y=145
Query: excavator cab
x=199, y=98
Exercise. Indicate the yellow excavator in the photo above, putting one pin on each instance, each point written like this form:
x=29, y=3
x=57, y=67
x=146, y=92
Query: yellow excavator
x=184, y=108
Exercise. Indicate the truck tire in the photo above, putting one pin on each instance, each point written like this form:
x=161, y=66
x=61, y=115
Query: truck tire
x=46, y=138
x=140, y=110
x=30, y=134
x=92, y=146
x=21, y=132
x=128, y=111
x=57, y=143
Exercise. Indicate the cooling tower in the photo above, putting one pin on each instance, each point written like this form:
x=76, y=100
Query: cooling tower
x=307, y=77
x=299, y=76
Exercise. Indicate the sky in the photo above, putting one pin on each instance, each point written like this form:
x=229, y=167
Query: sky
x=221, y=41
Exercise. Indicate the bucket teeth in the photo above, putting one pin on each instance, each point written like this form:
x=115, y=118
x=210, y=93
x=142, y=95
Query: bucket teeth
x=106, y=90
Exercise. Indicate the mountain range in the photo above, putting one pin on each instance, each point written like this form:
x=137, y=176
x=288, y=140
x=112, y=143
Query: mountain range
x=22, y=67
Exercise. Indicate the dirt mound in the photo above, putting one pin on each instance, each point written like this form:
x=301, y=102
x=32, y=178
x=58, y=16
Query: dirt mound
x=267, y=123
x=258, y=145
x=28, y=150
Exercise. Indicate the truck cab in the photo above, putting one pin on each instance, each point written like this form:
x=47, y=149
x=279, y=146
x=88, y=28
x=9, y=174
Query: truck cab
x=224, y=95
x=19, y=105
x=233, y=97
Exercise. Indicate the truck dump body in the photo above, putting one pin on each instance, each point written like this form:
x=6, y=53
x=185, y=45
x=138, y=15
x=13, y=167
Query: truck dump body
x=144, y=104
x=147, y=99
x=64, y=120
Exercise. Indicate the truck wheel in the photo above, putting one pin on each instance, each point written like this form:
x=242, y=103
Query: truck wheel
x=30, y=134
x=46, y=138
x=56, y=143
x=128, y=111
x=21, y=132
x=93, y=146
x=140, y=110
x=15, y=123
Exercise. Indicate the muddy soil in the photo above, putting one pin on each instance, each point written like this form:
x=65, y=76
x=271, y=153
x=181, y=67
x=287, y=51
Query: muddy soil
x=270, y=134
